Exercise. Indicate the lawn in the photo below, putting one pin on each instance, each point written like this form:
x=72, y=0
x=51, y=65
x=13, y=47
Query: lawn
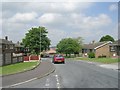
x=18, y=67
x=101, y=60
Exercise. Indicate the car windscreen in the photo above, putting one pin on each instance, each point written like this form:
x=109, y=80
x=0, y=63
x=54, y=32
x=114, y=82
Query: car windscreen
x=59, y=56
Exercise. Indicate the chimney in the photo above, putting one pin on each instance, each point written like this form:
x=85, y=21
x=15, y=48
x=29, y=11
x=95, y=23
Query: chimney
x=18, y=42
x=6, y=37
x=93, y=41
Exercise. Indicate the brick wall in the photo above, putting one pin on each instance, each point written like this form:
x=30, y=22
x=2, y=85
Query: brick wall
x=104, y=50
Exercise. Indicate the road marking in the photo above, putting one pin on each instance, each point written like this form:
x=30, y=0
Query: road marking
x=58, y=83
x=56, y=75
x=47, y=82
x=22, y=82
x=58, y=87
x=57, y=79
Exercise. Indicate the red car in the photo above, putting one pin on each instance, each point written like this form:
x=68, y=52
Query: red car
x=58, y=59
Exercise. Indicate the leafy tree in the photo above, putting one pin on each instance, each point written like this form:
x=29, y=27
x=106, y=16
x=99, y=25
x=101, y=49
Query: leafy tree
x=36, y=40
x=68, y=46
x=107, y=38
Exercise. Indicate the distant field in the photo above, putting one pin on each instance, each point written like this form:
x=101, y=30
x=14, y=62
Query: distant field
x=101, y=60
x=18, y=67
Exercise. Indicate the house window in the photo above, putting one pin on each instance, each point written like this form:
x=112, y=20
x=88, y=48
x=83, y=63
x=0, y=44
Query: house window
x=112, y=48
x=11, y=46
x=6, y=46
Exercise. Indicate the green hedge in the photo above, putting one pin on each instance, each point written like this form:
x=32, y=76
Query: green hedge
x=91, y=55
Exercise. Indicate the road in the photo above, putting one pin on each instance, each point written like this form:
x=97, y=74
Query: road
x=76, y=74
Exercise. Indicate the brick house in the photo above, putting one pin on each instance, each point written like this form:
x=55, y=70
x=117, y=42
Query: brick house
x=6, y=51
x=99, y=48
x=115, y=49
x=18, y=53
x=52, y=51
x=9, y=52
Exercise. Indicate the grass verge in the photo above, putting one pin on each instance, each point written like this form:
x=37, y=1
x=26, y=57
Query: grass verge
x=101, y=60
x=18, y=67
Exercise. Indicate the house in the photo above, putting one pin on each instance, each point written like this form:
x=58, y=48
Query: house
x=115, y=49
x=6, y=51
x=101, y=49
x=18, y=53
x=18, y=48
x=52, y=51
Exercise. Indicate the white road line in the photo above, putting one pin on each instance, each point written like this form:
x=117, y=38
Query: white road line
x=58, y=83
x=57, y=80
x=22, y=82
x=58, y=87
x=47, y=82
x=56, y=75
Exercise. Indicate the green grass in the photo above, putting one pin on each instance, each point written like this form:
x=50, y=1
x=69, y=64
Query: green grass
x=101, y=60
x=18, y=67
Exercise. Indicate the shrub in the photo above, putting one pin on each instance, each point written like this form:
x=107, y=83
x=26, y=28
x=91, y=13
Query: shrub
x=91, y=55
x=103, y=56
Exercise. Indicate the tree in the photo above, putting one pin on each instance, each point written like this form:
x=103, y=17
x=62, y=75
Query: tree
x=36, y=40
x=107, y=38
x=68, y=46
x=79, y=40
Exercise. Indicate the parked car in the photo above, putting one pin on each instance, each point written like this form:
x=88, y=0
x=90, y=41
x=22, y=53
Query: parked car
x=58, y=59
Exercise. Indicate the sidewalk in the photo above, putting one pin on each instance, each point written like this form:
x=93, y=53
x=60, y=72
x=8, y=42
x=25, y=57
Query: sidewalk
x=114, y=66
x=43, y=69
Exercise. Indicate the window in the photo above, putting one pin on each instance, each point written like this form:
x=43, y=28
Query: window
x=112, y=48
x=11, y=46
x=6, y=46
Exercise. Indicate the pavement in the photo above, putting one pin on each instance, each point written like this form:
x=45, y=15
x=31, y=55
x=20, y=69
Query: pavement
x=114, y=66
x=44, y=69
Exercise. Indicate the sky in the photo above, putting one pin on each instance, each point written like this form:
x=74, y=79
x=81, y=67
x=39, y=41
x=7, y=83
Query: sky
x=89, y=20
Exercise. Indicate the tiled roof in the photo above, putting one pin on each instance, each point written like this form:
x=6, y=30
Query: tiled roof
x=94, y=45
x=3, y=41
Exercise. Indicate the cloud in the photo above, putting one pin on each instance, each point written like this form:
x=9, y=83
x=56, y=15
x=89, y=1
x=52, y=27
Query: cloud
x=49, y=18
x=75, y=20
x=89, y=22
x=113, y=7
x=45, y=7
x=23, y=17
x=56, y=35
x=62, y=20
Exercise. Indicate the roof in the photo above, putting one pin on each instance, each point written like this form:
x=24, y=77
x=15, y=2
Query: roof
x=18, y=45
x=95, y=45
x=51, y=51
x=117, y=42
x=3, y=41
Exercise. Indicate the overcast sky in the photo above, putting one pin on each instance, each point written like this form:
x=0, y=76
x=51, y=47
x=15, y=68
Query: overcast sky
x=90, y=21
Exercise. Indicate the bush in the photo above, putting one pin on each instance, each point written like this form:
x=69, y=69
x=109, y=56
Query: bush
x=91, y=55
x=103, y=56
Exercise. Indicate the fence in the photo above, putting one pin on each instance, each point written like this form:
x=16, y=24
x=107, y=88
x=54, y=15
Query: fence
x=31, y=58
x=17, y=59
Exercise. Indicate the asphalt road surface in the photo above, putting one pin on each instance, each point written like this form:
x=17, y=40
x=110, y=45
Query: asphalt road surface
x=76, y=74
